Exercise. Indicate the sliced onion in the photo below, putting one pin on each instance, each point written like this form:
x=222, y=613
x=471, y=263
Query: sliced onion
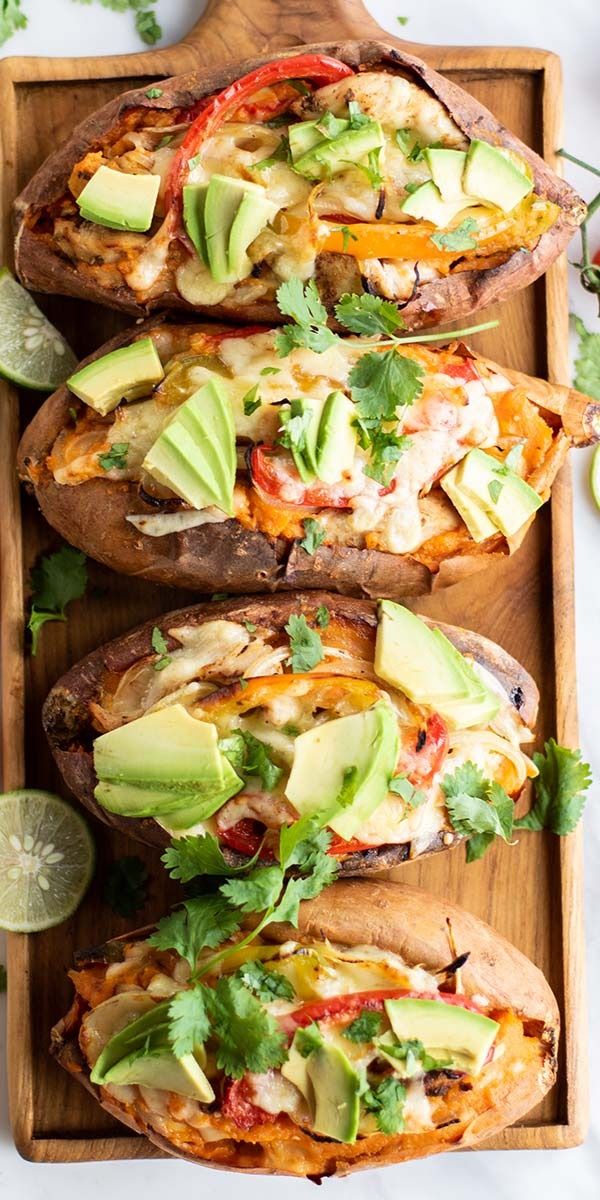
x=160, y=524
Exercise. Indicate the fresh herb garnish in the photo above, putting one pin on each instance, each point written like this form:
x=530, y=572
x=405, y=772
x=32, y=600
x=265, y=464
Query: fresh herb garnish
x=270, y=371
x=58, y=579
x=400, y=786
x=386, y=1100
x=204, y=922
x=154, y=93
x=307, y=1039
x=249, y=626
x=587, y=363
x=189, y=1022
x=347, y=237
x=145, y=22
x=126, y=885
x=369, y=315
x=249, y=756
x=322, y=616
x=303, y=304
x=386, y=451
x=160, y=646
x=306, y=647
x=413, y=1055
x=457, y=239
x=11, y=19
x=200, y=854
x=364, y=1028
x=494, y=488
x=478, y=808
x=249, y=1038
x=280, y=154
x=331, y=126
x=560, y=790
x=251, y=401
x=114, y=459
x=314, y=535
x=296, y=421
x=402, y=20
x=358, y=119
x=266, y=984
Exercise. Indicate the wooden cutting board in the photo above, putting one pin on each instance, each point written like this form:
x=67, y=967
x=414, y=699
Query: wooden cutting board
x=531, y=892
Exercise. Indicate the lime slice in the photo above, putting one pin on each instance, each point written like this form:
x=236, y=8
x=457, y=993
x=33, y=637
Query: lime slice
x=32, y=352
x=595, y=475
x=46, y=860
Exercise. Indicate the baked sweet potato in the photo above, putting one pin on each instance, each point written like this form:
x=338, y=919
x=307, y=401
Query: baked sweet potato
x=232, y=664
x=348, y=229
x=398, y=940
x=384, y=529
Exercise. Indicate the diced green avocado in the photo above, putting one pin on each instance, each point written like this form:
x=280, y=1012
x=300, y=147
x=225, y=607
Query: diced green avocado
x=223, y=199
x=141, y=1053
x=507, y=499
x=195, y=455
x=194, y=202
x=426, y=204
x=304, y=136
x=447, y=1031
x=183, y=807
x=336, y=438
x=358, y=752
x=124, y=374
x=447, y=168
x=119, y=200
x=336, y=1088
x=164, y=750
x=474, y=515
x=332, y=156
x=423, y=663
x=492, y=176
x=253, y=214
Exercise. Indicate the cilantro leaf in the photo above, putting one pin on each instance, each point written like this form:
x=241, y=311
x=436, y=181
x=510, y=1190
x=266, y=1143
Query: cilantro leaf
x=251, y=401
x=387, y=1101
x=314, y=535
x=323, y=872
x=386, y=451
x=266, y=984
x=114, y=459
x=126, y=885
x=380, y=383
x=11, y=19
x=357, y=117
x=331, y=126
x=587, y=363
x=249, y=1039
x=147, y=26
x=322, y=616
x=366, y=314
x=364, y=1027
x=303, y=304
x=400, y=786
x=296, y=421
x=281, y=153
x=305, y=645
x=413, y=1055
x=402, y=20
x=56, y=580
x=199, y=854
x=560, y=790
x=154, y=93
x=307, y=1038
x=478, y=808
x=300, y=842
x=457, y=239
x=189, y=1024
x=203, y=922
x=494, y=488
x=255, y=892
x=160, y=646
x=249, y=756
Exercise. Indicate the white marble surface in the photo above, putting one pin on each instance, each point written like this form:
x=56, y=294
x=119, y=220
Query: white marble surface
x=572, y=30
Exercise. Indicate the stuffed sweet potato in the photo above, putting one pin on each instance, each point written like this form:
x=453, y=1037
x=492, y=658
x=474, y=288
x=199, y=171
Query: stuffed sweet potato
x=355, y=165
x=376, y=1045
x=377, y=472
x=310, y=705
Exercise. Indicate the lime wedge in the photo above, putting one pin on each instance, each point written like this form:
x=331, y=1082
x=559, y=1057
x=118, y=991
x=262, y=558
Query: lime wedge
x=595, y=475
x=32, y=352
x=46, y=860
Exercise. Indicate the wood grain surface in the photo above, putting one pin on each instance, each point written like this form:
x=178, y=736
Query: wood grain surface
x=531, y=892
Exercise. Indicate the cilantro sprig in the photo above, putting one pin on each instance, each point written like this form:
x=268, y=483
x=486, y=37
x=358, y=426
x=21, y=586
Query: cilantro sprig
x=55, y=581
x=386, y=1100
x=478, y=808
x=249, y=756
x=560, y=790
x=306, y=647
x=587, y=363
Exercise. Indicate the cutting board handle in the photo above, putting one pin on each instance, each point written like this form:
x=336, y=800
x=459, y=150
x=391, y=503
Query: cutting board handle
x=231, y=29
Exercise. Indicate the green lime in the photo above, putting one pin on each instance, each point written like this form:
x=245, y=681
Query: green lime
x=46, y=860
x=32, y=352
x=595, y=475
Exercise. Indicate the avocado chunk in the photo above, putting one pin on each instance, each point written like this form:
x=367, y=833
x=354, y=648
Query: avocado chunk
x=447, y=168
x=168, y=756
x=336, y=438
x=125, y=374
x=423, y=663
x=295, y=1068
x=336, y=1087
x=194, y=202
x=195, y=455
x=184, y=807
x=305, y=135
x=119, y=200
x=447, y=1031
x=474, y=515
x=352, y=758
x=253, y=214
x=141, y=1053
x=426, y=204
x=492, y=176
x=506, y=498
x=333, y=155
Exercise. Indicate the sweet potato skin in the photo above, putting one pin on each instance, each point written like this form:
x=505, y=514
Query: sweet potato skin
x=67, y=723
x=400, y=919
x=42, y=268
x=227, y=557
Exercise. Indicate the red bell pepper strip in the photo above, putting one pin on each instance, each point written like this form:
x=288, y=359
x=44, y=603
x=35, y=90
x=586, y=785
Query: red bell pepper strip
x=464, y=371
x=421, y=757
x=318, y=67
x=272, y=475
x=238, y=1106
x=355, y=1002
x=245, y=837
